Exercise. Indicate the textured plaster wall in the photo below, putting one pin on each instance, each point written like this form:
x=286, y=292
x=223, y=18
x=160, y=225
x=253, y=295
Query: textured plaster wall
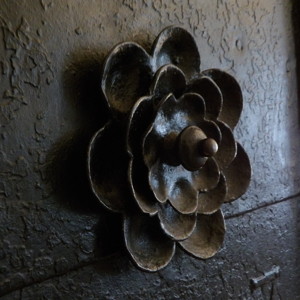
x=55, y=240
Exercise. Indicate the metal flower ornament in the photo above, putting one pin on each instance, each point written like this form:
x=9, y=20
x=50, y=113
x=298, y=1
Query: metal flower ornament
x=167, y=159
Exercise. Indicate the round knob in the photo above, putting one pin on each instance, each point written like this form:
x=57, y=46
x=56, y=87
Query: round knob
x=208, y=147
x=194, y=148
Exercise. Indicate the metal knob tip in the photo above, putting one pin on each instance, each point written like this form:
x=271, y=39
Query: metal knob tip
x=208, y=147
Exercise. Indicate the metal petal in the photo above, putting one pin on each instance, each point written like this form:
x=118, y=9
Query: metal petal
x=176, y=46
x=149, y=247
x=162, y=178
x=107, y=168
x=208, y=236
x=126, y=77
x=227, y=147
x=238, y=175
x=232, y=96
x=177, y=226
x=212, y=200
x=140, y=118
x=183, y=197
x=207, y=177
x=168, y=79
x=211, y=94
x=138, y=178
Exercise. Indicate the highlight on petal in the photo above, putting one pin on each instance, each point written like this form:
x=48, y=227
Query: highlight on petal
x=227, y=147
x=138, y=179
x=162, y=178
x=232, y=96
x=168, y=79
x=207, y=177
x=149, y=247
x=140, y=118
x=212, y=200
x=238, y=175
x=208, y=236
x=176, y=46
x=183, y=197
x=211, y=94
x=177, y=226
x=175, y=115
x=172, y=117
x=126, y=76
x=107, y=165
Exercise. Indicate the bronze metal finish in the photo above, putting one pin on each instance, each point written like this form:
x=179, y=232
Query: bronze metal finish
x=171, y=134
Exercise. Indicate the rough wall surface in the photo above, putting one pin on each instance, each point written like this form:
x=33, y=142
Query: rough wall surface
x=55, y=240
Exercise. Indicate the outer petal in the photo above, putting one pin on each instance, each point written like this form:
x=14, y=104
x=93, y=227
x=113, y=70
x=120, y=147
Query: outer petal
x=208, y=236
x=176, y=46
x=227, y=147
x=138, y=179
x=148, y=246
x=107, y=165
x=168, y=79
x=126, y=76
x=238, y=175
x=211, y=94
x=212, y=200
x=232, y=96
x=176, y=225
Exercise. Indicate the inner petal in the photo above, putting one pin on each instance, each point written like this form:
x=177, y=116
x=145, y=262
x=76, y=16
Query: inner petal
x=162, y=178
x=172, y=117
x=227, y=146
x=212, y=200
x=211, y=94
x=183, y=197
x=207, y=177
x=168, y=79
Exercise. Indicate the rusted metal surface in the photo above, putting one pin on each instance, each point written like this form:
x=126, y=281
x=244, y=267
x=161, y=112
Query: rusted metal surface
x=171, y=119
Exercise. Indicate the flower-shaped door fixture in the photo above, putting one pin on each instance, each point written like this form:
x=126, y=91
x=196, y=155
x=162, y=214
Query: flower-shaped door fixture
x=167, y=159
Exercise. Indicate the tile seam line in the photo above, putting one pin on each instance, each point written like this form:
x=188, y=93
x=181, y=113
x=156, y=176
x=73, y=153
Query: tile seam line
x=236, y=215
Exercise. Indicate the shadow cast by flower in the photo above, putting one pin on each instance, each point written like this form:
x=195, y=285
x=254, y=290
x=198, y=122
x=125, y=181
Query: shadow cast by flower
x=167, y=160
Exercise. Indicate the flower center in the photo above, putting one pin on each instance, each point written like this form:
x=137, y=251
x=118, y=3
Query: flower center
x=194, y=147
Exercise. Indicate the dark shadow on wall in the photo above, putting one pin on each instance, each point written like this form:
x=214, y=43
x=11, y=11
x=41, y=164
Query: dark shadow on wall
x=86, y=109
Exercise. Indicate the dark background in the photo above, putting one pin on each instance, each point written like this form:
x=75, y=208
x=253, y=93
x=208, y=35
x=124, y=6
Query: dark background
x=56, y=241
